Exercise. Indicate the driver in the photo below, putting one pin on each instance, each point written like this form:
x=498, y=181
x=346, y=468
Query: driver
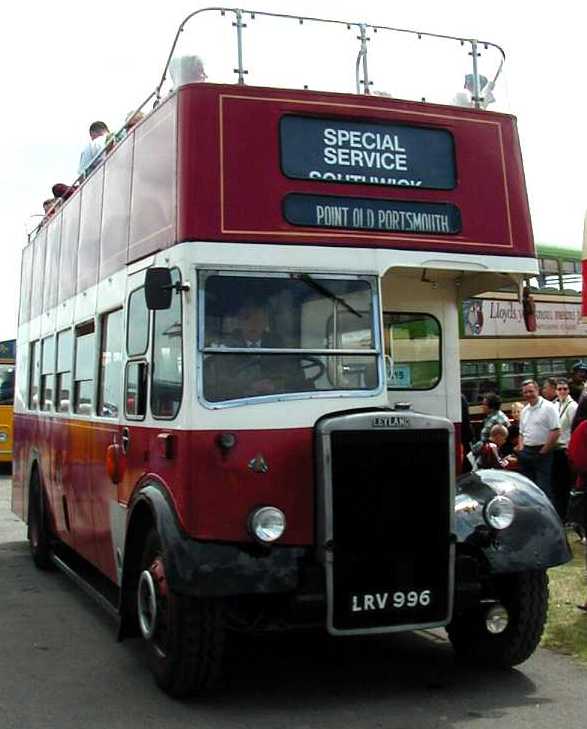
x=248, y=375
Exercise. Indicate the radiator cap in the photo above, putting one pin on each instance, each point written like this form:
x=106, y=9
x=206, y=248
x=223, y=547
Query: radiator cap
x=402, y=405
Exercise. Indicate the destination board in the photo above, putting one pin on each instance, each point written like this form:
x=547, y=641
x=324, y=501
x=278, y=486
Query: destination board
x=364, y=153
x=326, y=211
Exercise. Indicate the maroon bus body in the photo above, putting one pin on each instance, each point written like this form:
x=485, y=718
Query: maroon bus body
x=205, y=167
x=187, y=173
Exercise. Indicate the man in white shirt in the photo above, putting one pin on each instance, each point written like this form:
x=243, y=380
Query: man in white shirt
x=91, y=152
x=539, y=433
x=561, y=473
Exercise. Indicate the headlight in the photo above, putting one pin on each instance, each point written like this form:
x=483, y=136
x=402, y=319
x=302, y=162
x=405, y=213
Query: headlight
x=3, y=436
x=267, y=524
x=500, y=512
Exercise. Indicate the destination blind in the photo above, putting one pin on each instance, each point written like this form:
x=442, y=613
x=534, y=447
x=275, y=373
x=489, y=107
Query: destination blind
x=326, y=211
x=365, y=153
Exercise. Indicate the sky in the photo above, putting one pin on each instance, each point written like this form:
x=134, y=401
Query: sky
x=70, y=63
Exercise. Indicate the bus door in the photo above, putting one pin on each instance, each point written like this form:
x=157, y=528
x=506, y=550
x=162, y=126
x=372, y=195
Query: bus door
x=74, y=464
x=107, y=432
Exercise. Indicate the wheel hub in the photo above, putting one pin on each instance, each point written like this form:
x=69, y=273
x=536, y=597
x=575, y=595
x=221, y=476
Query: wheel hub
x=496, y=619
x=147, y=605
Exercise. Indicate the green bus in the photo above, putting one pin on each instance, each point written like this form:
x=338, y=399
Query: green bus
x=497, y=353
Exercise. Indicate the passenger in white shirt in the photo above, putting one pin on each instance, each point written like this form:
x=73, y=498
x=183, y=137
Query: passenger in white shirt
x=561, y=472
x=466, y=97
x=186, y=70
x=91, y=153
x=539, y=433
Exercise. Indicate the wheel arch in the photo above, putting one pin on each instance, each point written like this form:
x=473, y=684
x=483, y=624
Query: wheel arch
x=150, y=508
x=536, y=539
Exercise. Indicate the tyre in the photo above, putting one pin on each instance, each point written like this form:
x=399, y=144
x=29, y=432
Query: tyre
x=38, y=532
x=525, y=596
x=184, y=635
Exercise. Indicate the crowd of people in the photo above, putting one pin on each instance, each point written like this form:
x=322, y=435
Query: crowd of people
x=182, y=69
x=545, y=440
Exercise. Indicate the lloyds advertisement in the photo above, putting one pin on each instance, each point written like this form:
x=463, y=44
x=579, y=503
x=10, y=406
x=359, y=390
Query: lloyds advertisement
x=497, y=318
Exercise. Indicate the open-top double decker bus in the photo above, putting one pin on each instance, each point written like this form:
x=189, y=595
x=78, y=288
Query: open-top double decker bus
x=498, y=352
x=7, y=368
x=208, y=433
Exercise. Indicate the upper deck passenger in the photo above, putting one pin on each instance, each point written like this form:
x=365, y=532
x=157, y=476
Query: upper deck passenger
x=186, y=70
x=98, y=137
x=466, y=97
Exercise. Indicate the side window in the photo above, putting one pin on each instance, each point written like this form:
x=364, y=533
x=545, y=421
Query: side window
x=110, y=365
x=83, y=379
x=135, y=390
x=35, y=365
x=167, y=370
x=413, y=343
x=63, y=375
x=137, y=330
x=477, y=379
x=47, y=373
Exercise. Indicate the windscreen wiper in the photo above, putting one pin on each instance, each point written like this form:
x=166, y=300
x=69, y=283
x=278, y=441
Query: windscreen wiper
x=307, y=279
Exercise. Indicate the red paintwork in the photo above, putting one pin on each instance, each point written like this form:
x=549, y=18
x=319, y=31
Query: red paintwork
x=212, y=492
x=230, y=185
x=226, y=170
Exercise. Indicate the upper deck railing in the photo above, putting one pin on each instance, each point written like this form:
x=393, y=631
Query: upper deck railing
x=319, y=54
x=294, y=51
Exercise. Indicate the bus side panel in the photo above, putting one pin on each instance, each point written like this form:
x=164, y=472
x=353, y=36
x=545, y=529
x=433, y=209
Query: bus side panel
x=20, y=461
x=78, y=487
x=104, y=493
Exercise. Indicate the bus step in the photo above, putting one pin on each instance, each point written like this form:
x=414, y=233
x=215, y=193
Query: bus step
x=86, y=586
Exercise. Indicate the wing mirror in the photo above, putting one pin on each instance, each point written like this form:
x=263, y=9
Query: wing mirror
x=158, y=288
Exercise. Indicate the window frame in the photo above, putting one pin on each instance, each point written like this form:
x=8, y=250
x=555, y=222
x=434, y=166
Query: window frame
x=101, y=369
x=129, y=363
x=49, y=374
x=387, y=312
x=203, y=273
x=144, y=353
x=90, y=325
x=57, y=401
x=34, y=376
x=151, y=369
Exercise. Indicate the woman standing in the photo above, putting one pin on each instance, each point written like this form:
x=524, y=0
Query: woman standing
x=577, y=452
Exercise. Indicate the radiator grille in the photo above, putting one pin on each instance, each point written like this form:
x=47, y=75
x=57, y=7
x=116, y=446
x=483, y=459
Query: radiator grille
x=391, y=509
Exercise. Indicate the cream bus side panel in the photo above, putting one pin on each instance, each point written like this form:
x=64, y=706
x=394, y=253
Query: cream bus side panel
x=403, y=291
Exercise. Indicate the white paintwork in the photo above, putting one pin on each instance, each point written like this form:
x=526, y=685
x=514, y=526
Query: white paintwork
x=417, y=281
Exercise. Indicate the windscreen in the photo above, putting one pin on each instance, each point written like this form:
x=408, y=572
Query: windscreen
x=6, y=384
x=263, y=335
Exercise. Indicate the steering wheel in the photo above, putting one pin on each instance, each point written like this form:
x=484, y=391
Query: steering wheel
x=307, y=362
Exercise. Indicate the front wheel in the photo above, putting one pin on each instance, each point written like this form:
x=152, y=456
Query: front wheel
x=184, y=635
x=525, y=597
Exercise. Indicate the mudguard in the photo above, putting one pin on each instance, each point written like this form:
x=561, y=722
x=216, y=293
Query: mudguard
x=213, y=569
x=534, y=541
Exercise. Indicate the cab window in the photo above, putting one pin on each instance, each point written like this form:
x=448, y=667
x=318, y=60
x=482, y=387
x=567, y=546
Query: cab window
x=412, y=342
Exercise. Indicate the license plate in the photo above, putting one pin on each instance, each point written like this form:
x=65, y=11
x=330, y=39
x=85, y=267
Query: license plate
x=389, y=601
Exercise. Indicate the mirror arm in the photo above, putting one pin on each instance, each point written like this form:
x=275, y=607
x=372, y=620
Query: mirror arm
x=177, y=287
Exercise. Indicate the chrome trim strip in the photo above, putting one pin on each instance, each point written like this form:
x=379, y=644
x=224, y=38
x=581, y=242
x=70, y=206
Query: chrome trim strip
x=296, y=352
